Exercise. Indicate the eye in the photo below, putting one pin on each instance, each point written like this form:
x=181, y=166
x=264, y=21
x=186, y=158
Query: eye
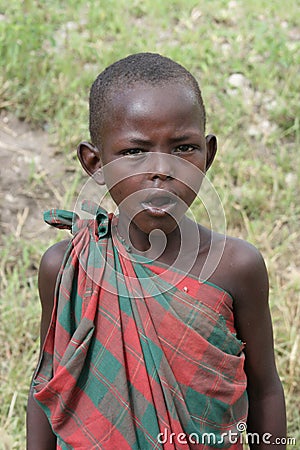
x=184, y=148
x=133, y=152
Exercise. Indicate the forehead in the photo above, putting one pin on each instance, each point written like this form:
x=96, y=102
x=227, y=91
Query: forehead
x=168, y=103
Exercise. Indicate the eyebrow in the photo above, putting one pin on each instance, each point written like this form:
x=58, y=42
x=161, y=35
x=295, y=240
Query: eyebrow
x=175, y=140
x=138, y=141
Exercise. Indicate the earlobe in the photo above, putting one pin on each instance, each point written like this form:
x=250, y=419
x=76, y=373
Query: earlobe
x=90, y=159
x=211, y=149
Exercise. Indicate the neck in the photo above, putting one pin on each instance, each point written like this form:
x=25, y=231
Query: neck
x=158, y=246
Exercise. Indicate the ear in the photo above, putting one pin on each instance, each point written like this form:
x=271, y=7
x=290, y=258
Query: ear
x=90, y=159
x=211, y=149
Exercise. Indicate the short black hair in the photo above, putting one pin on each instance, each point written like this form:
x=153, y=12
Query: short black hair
x=147, y=68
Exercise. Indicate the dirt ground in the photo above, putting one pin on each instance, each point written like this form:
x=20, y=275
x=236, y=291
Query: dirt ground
x=30, y=178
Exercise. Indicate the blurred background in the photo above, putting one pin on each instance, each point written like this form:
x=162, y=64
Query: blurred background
x=245, y=55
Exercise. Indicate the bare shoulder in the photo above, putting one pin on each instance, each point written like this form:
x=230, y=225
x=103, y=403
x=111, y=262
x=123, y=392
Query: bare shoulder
x=242, y=270
x=48, y=272
x=52, y=259
x=242, y=255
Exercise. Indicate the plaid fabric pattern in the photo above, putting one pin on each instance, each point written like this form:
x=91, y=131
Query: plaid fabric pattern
x=130, y=355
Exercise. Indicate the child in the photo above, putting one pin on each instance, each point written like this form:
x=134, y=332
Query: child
x=159, y=329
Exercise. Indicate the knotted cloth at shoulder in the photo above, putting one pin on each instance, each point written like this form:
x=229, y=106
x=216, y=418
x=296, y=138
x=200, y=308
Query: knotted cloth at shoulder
x=70, y=220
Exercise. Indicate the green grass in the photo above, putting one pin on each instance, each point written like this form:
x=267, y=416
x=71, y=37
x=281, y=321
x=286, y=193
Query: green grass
x=18, y=335
x=50, y=52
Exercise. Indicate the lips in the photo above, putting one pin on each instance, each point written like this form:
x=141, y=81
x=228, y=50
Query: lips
x=159, y=203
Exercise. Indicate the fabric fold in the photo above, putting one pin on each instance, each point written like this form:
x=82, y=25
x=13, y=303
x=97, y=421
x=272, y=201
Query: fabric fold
x=132, y=361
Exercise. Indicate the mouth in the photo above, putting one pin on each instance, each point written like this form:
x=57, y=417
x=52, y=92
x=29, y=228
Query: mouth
x=160, y=204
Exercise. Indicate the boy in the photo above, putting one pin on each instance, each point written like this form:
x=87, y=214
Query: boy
x=160, y=332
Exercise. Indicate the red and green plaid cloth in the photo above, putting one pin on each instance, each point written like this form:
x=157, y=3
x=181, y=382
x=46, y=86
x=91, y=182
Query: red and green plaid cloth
x=129, y=355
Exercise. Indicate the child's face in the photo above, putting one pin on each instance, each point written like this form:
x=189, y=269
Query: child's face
x=154, y=154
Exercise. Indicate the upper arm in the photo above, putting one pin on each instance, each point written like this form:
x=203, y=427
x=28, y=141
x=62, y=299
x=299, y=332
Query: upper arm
x=253, y=320
x=39, y=432
x=48, y=272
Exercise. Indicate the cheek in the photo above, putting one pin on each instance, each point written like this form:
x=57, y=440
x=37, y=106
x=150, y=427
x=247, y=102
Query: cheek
x=191, y=176
x=125, y=192
x=194, y=183
x=117, y=194
x=189, y=187
x=123, y=171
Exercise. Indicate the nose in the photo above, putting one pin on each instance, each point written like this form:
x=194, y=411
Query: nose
x=161, y=166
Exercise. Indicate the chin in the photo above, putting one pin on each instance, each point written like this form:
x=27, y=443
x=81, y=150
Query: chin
x=166, y=224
